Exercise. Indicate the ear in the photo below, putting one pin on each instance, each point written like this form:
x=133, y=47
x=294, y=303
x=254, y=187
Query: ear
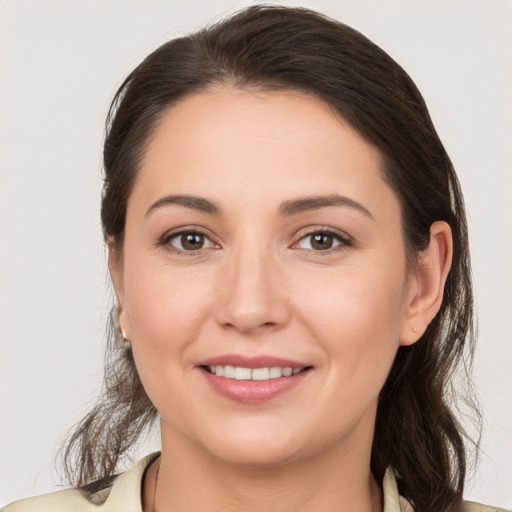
x=426, y=286
x=115, y=266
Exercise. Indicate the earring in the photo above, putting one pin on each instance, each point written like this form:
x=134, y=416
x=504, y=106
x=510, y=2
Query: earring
x=104, y=190
x=126, y=342
x=414, y=330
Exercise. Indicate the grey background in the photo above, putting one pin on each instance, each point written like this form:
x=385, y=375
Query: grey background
x=60, y=64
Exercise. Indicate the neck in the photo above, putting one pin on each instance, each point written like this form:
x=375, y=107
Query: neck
x=186, y=479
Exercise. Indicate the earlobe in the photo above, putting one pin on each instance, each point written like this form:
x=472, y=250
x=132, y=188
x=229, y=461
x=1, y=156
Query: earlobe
x=427, y=284
x=115, y=266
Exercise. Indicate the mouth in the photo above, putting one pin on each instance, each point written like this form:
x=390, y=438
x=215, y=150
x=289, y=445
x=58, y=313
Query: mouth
x=252, y=374
x=253, y=380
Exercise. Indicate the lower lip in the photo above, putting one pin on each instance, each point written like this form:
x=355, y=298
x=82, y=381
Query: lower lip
x=253, y=391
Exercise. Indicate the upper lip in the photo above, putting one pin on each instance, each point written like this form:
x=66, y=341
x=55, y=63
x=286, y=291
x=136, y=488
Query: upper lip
x=259, y=361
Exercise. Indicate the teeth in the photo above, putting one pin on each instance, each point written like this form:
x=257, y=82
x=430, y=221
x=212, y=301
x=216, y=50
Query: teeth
x=226, y=371
x=275, y=372
x=260, y=374
x=241, y=373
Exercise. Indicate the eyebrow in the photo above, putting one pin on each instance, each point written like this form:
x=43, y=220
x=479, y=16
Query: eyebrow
x=193, y=202
x=287, y=209
x=304, y=204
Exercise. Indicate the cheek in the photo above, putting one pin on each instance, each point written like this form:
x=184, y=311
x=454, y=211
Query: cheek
x=165, y=308
x=354, y=301
x=166, y=311
x=356, y=317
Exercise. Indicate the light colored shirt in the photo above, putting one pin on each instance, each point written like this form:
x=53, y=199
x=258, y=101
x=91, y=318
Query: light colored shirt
x=124, y=495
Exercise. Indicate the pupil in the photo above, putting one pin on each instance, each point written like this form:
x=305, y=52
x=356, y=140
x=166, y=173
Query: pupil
x=322, y=241
x=192, y=241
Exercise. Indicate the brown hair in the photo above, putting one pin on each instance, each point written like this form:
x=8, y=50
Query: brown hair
x=272, y=47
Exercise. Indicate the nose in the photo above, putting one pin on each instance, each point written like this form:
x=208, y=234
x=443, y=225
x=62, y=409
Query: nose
x=252, y=295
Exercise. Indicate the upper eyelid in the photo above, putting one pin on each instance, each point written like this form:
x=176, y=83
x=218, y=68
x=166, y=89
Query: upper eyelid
x=322, y=229
x=172, y=233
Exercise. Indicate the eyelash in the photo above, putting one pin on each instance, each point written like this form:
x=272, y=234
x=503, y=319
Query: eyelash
x=344, y=240
x=166, y=239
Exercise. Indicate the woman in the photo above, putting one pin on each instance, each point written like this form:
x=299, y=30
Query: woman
x=288, y=247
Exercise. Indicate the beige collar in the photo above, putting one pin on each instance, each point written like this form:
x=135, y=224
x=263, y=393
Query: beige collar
x=125, y=495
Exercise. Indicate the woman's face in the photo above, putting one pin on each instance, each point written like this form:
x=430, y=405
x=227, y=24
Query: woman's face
x=261, y=237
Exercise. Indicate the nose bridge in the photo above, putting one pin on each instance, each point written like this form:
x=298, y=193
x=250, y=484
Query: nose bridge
x=251, y=296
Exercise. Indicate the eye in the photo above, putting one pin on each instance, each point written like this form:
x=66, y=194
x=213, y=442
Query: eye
x=189, y=241
x=323, y=241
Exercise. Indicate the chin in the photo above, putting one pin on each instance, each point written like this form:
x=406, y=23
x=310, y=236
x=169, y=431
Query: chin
x=256, y=456
x=253, y=448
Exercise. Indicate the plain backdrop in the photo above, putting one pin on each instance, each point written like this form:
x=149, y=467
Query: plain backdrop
x=61, y=62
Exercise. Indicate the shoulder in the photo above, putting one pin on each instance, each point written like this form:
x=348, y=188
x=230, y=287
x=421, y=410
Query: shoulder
x=70, y=500
x=110, y=495
x=393, y=502
x=471, y=506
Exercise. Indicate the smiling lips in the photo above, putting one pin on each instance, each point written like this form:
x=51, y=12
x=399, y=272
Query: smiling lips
x=252, y=380
x=242, y=373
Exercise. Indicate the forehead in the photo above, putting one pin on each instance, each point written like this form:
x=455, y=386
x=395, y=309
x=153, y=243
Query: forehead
x=249, y=143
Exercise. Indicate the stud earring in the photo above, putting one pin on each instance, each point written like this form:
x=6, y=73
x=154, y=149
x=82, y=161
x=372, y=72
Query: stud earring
x=104, y=190
x=126, y=342
x=414, y=330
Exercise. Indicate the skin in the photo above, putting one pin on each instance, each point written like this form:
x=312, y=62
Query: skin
x=258, y=287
